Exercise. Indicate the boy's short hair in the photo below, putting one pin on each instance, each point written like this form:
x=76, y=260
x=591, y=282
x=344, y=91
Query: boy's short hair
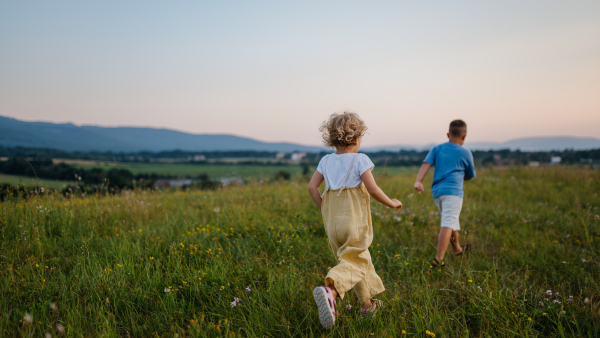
x=458, y=128
x=342, y=129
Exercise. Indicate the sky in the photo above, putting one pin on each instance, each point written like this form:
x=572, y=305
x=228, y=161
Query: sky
x=274, y=70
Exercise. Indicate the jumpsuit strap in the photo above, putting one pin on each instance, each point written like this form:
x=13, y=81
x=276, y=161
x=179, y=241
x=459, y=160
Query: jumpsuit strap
x=347, y=175
x=325, y=176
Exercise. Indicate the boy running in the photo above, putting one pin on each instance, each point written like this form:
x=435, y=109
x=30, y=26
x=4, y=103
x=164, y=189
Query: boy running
x=453, y=165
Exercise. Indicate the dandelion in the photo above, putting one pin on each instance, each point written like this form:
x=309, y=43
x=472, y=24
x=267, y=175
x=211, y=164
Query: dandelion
x=60, y=328
x=564, y=262
x=470, y=281
x=247, y=289
x=543, y=314
x=28, y=318
x=53, y=307
x=151, y=258
x=549, y=292
x=217, y=209
x=47, y=335
x=403, y=332
x=167, y=290
x=348, y=307
x=429, y=333
x=586, y=300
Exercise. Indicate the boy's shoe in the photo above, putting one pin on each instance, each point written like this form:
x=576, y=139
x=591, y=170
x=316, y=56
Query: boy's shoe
x=376, y=304
x=435, y=264
x=326, y=304
x=465, y=249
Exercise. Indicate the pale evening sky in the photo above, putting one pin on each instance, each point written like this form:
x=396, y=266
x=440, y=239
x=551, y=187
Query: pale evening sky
x=273, y=70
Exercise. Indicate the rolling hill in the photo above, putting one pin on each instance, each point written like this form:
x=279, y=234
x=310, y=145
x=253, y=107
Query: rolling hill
x=69, y=137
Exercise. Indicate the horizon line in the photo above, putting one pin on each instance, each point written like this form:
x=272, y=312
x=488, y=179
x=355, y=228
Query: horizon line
x=288, y=142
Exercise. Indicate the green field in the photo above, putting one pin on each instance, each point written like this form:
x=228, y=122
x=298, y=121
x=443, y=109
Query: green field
x=252, y=172
x=193, y=170
x=169, y=264
x=15, y=180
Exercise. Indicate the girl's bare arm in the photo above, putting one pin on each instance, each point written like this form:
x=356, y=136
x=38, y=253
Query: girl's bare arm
x=313, y=188
x=377, y=193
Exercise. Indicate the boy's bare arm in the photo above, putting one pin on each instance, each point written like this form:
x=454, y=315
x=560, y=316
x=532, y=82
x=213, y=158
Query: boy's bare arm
x=377, y=193
x=313, y=188
x=420, y=176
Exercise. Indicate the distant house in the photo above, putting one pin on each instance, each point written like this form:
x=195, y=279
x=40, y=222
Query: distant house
x=534, y=163
x=498, y=159
x=298, y=156
x=199, y=158
x=172, y=182
x=229, y=180
x=555, y=160
x=280, y=156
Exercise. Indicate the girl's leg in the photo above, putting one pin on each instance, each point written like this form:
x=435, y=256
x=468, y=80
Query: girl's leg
x=369, y=287
x=333, y=291
x=363, y=294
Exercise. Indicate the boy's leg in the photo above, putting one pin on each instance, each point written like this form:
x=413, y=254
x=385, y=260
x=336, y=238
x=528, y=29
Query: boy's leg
x=450, y=207
x=443, y=241
x=456, y=243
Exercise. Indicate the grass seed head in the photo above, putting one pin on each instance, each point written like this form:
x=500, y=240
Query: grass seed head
x=28, y=319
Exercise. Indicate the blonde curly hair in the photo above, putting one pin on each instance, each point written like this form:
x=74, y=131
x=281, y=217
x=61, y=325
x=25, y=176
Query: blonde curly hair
x=342, y=129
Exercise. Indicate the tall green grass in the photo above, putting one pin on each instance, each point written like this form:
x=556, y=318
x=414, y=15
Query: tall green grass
x=171, y=263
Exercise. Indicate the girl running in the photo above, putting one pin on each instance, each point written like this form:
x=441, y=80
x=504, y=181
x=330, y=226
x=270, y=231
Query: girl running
x=345, y=205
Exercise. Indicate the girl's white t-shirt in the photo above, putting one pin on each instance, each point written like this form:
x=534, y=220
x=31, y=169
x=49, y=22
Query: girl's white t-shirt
x=338, y=166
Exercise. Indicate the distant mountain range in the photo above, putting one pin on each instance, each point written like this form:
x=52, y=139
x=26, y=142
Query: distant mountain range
x=69, y=137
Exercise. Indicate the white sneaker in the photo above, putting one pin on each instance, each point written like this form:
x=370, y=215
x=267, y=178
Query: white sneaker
x=326, y=304
x=376, y=304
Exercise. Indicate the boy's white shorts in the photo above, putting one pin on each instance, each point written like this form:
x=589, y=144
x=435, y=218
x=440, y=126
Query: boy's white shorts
x=450, y=207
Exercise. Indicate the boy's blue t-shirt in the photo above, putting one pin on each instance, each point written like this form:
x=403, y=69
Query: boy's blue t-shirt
x=452, y=164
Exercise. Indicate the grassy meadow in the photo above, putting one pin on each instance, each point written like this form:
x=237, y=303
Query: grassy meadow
x=170, y=264
x=193, y=170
